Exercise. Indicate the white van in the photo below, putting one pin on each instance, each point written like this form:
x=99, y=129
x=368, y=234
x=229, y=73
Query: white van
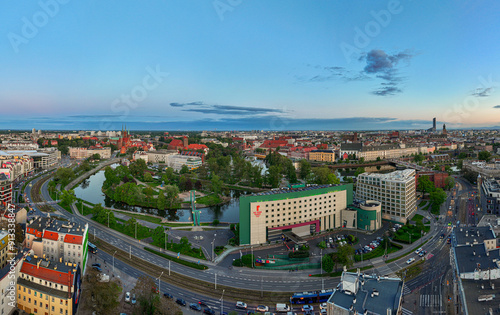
x=280, y=307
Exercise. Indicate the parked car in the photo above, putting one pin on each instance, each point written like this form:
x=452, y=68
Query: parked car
x=323, y=311
x=323, y=306
x=241, y=305
x=180, y=302
x=127, y=297
x=133, y=300
x=208, y=311
x=168, y=295
x=97, y=268
x=409, y=261
x=96, y=265
x=195, y=306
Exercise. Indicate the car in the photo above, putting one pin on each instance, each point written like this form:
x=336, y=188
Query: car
x=422, y=253
x=323, y=312
x=241, y=305
x=127, y=297
x=442, y=235
x=96, y=265
x=262, y=308
x=418, y=250
x=133, y=301
x=168, y=295
x=180, y=302
x=203, y=303
x=97, y=268
x=323, y=306
x=195, y=306
x=409, y=261
x=250, y=312
x=208, y=311
x=307, y=308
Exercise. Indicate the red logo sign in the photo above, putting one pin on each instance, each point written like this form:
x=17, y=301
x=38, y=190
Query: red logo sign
x=258, y=212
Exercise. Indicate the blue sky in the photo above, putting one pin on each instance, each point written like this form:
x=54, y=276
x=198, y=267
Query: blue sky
x=240, y=64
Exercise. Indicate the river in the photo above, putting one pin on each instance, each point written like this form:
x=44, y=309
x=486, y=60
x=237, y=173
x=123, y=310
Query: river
x=90, y=190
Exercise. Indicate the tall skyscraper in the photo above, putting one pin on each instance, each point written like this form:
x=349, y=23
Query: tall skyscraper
x=434, y=124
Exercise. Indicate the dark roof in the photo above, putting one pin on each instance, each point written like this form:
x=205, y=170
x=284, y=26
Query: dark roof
x=351, y=146
x=3, y=177
x=475, y=288
x=470, y=235
x=53, y=225
x=389, y=294
x=468, y=262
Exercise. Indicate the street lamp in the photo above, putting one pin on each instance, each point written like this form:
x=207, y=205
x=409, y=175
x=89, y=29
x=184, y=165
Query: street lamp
x=165, y=240
x=159, y=282
x=222, y=302
x=108, y=217
x=321, y=260
x=213, y=248
x=114, y=261
x=135, y=229
x=361, y=252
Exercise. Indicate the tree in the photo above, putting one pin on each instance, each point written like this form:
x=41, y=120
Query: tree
x=102, y=215
x=379, y=159
x=198, y=185
x=64, y=175
x=68, y=197
x=101, y=297
x=327, y=263
x=425, y=185
x=418, y=158
x=449, y=182
x=138, y=167
x=161, y=202
x=95, y=156
x=64, y=149
x=169, y=172
x=437, y=197
x=305, y=168
x=344, y=255
x=150, y=302
x=171, y=194
x=184, y=169
x=359, y=171
x=273, y=176
x=158, y=236
x=216, y=184
x=323, y=176
x=484, y=156
x=148, y=177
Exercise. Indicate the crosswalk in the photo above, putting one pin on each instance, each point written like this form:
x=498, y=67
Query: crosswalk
x=406, y=290
x=430, y=300
x=406, y=312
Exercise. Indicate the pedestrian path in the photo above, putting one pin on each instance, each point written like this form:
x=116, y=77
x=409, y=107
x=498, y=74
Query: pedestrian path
x=406, y=290
x=406, y=312
x=430, y=300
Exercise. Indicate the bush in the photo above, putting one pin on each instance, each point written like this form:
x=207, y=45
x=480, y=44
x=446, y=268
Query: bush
x=215, y=222
x=322, y=244
x=299, y=254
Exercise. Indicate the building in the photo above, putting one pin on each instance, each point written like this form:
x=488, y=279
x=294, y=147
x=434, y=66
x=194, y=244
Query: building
x=490, y=195
x=172, y=158
x=396, y=192
x=42, y=158
x=48, y=287
x=322, y=155
x=15, y=167
x=8, y=276
x=178, y=161
x=300, y=211
x=468, y=236
x=4, y=248
x=369, y=215
x=58, y=240
x=84, y=153
x=5, y=190
x=373, y=152
x=358, y=293
x=438, y=178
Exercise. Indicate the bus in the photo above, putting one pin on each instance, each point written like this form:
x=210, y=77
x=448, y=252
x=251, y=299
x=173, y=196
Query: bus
x=92, y=248
x=311, y=297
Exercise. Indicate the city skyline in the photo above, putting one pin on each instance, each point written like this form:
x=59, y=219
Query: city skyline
x=241, y=65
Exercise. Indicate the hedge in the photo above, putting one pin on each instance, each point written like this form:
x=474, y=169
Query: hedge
x=177, y=260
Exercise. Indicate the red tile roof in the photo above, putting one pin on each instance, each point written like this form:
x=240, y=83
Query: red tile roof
x=51, y=235
x=73, y=239
x=195, y=146
x=48, y=274
x=34, y=232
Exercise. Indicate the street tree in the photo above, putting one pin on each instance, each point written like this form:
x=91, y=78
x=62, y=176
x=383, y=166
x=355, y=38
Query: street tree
x=150, y=302
x=425, y=185
x=327, y=263
x=305, y=168
x=344, y=255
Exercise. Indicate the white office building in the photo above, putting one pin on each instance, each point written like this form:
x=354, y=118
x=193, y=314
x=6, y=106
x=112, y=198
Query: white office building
x=396, y=192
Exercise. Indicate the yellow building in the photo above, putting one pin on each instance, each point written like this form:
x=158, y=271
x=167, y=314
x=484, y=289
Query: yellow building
x=322, y=155
x=4, y=248
x=47, y=287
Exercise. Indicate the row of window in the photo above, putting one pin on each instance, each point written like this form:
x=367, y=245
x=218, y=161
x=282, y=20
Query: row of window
x=35, y=310
x=32, y=279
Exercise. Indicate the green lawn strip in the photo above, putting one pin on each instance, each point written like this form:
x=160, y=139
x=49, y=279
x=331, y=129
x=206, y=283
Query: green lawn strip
x=339, y=273
x=411, y=271
x=423, y=203
x=399, y=257
x=177, y=260
x=377, y=252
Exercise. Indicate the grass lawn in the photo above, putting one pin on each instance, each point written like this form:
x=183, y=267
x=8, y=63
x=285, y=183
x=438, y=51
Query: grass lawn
x=423, y=203
x=377, y=252
x=209, y=200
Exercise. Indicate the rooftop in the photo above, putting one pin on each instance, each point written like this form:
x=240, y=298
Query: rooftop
x=474, y=289
x=402, y=175
x=22, y=152
x=470, y=258
x=49, y=270
x=53, y=227
x=371, y=293
x=467, y=236
x=288, y=190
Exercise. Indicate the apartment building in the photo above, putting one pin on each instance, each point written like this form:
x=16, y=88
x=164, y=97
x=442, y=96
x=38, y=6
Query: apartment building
x=301, y=210
x=58, y=240
x=84, y=153
x=8, y=276
x=322, y=155
x=48, y=287
x=5, y=191
x=396, y=192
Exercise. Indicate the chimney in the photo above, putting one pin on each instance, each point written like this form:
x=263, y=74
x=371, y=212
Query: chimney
x=38, y=264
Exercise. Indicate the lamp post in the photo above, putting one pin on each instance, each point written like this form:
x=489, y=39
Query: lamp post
x=114, y=261
x=361, y=253
x=135, y=229
x=213, y=248
x=165, y=240
x=222, y=302
x=159, y=282
x=108, y=217
x=321, y=260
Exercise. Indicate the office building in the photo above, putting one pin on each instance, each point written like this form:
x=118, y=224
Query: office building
x=48, y=287
x=58, y=240
x=84, y=153
x=396, y=192
x=300, y=211
x=358, y=293
x=369, y=214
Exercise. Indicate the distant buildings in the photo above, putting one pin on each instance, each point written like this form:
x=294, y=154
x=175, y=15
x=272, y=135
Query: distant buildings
x=386, y=151
x=171, y=158
x=396, y=192
x=490, y=195
x=42, y=158
x=5, y=190
x=438, y=178
x=84, y=153
x=322, y=155
x=358, y=293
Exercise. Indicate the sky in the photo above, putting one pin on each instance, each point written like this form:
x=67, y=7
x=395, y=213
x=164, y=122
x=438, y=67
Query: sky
x=249, y=65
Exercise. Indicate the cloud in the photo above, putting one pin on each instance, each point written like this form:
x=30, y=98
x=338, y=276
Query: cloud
x=331, y=73
x=482, y=92
x=496, y=106
x=384, y=67
x=216, y=109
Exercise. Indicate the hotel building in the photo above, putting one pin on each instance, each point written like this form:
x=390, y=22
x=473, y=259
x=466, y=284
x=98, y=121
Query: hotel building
x=396, y=192
x=301, y=211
